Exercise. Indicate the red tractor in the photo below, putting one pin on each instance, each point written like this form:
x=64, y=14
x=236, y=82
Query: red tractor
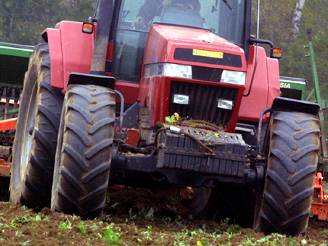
x=164, y=94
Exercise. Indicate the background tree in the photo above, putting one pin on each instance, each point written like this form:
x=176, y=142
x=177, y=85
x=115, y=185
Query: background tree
x=21, y=21
x=277, y=24
x=297, y=17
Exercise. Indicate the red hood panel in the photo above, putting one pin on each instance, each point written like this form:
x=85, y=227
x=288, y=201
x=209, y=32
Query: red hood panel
x=165, y=39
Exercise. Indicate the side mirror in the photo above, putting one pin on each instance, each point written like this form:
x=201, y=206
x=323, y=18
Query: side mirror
x=275, y=52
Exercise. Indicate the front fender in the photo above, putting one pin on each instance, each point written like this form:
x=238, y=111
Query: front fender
x=70, y=51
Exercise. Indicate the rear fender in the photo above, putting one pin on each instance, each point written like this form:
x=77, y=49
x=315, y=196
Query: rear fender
x=70, y=51
x=282, y=104
x=288, y=104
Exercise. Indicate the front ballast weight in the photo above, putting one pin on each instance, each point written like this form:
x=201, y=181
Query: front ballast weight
x=185, y=156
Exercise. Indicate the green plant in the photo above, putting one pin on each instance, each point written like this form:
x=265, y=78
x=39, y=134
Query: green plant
x=147, y=235
x=247, y=242
x=25, y=243
x=28, y=218
x=292, y=242
x=18, y=234
x=111, y=236
x=82, y=228
x=65, y=225
x=203, y=242
x=178, y=242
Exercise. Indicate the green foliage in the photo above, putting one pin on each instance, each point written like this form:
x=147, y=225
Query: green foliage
x=27, y=218
x=276, y=24
x=146, y=235
x=65, y=226
x=22, y=21
x=82, y=228
x=111, y=235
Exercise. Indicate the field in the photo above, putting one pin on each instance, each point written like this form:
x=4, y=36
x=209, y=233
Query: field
x=152, y=220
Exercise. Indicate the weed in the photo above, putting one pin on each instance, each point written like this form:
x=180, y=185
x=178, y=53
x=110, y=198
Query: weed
x=247, y=242
x=95, y=226
x=28, y=218
x=37, y=218
x=147, y=235
x=23, y=219
x=181, y=238
x=18, y=234
x=25, y=243
x=292, y=242
x=180, y=243
x=111, y=236
x=203, y=242
x=272, y=239
x=82, y=228
x=233, y=229
x=65, y=226
x=11, y=225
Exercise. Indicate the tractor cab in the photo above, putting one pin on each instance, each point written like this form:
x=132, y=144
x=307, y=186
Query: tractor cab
x=154, y=44
x=135, y=19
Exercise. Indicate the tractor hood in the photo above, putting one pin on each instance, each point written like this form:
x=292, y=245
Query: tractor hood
x=192, y=46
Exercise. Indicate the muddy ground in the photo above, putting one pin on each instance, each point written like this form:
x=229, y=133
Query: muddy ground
x=155, y=219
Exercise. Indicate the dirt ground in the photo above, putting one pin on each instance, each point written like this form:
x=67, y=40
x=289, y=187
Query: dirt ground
x=153, y=220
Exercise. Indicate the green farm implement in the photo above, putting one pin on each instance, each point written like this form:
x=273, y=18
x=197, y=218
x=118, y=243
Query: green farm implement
x=320, y=198
x=14, y=61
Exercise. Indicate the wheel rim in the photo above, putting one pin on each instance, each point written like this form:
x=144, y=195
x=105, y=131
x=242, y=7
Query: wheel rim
x=29, y=134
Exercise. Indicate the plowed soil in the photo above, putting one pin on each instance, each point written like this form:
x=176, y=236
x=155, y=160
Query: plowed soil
x=138, y=217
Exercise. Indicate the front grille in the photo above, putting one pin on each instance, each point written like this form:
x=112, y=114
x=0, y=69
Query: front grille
x=203, y=102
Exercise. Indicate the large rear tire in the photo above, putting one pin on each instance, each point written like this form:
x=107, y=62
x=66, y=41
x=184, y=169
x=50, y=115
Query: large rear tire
x=36, y=134
x=83, y=154
x=292, y=163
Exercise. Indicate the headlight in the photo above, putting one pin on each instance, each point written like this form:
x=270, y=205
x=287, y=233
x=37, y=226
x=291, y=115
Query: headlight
x=233, y=77
x=181, y=99
x=168, y=70
x=225, y=104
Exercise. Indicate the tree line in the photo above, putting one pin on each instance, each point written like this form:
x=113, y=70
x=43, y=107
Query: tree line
x=285, y=22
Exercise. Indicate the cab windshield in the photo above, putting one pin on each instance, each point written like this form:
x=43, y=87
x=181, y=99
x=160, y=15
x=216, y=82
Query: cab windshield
x=222, y=17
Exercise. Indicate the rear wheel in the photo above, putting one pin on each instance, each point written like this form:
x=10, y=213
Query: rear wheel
x=292, y=163
x=83, y=154
x=36, y=134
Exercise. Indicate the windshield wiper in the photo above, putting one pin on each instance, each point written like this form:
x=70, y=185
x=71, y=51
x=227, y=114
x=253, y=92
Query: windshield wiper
x=227, y=4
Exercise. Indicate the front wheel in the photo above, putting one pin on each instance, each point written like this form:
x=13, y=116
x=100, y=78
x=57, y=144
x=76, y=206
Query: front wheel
x=83, y=154
x=292, y=163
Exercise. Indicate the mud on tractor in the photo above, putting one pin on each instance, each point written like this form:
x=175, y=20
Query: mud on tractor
x=187, y=99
